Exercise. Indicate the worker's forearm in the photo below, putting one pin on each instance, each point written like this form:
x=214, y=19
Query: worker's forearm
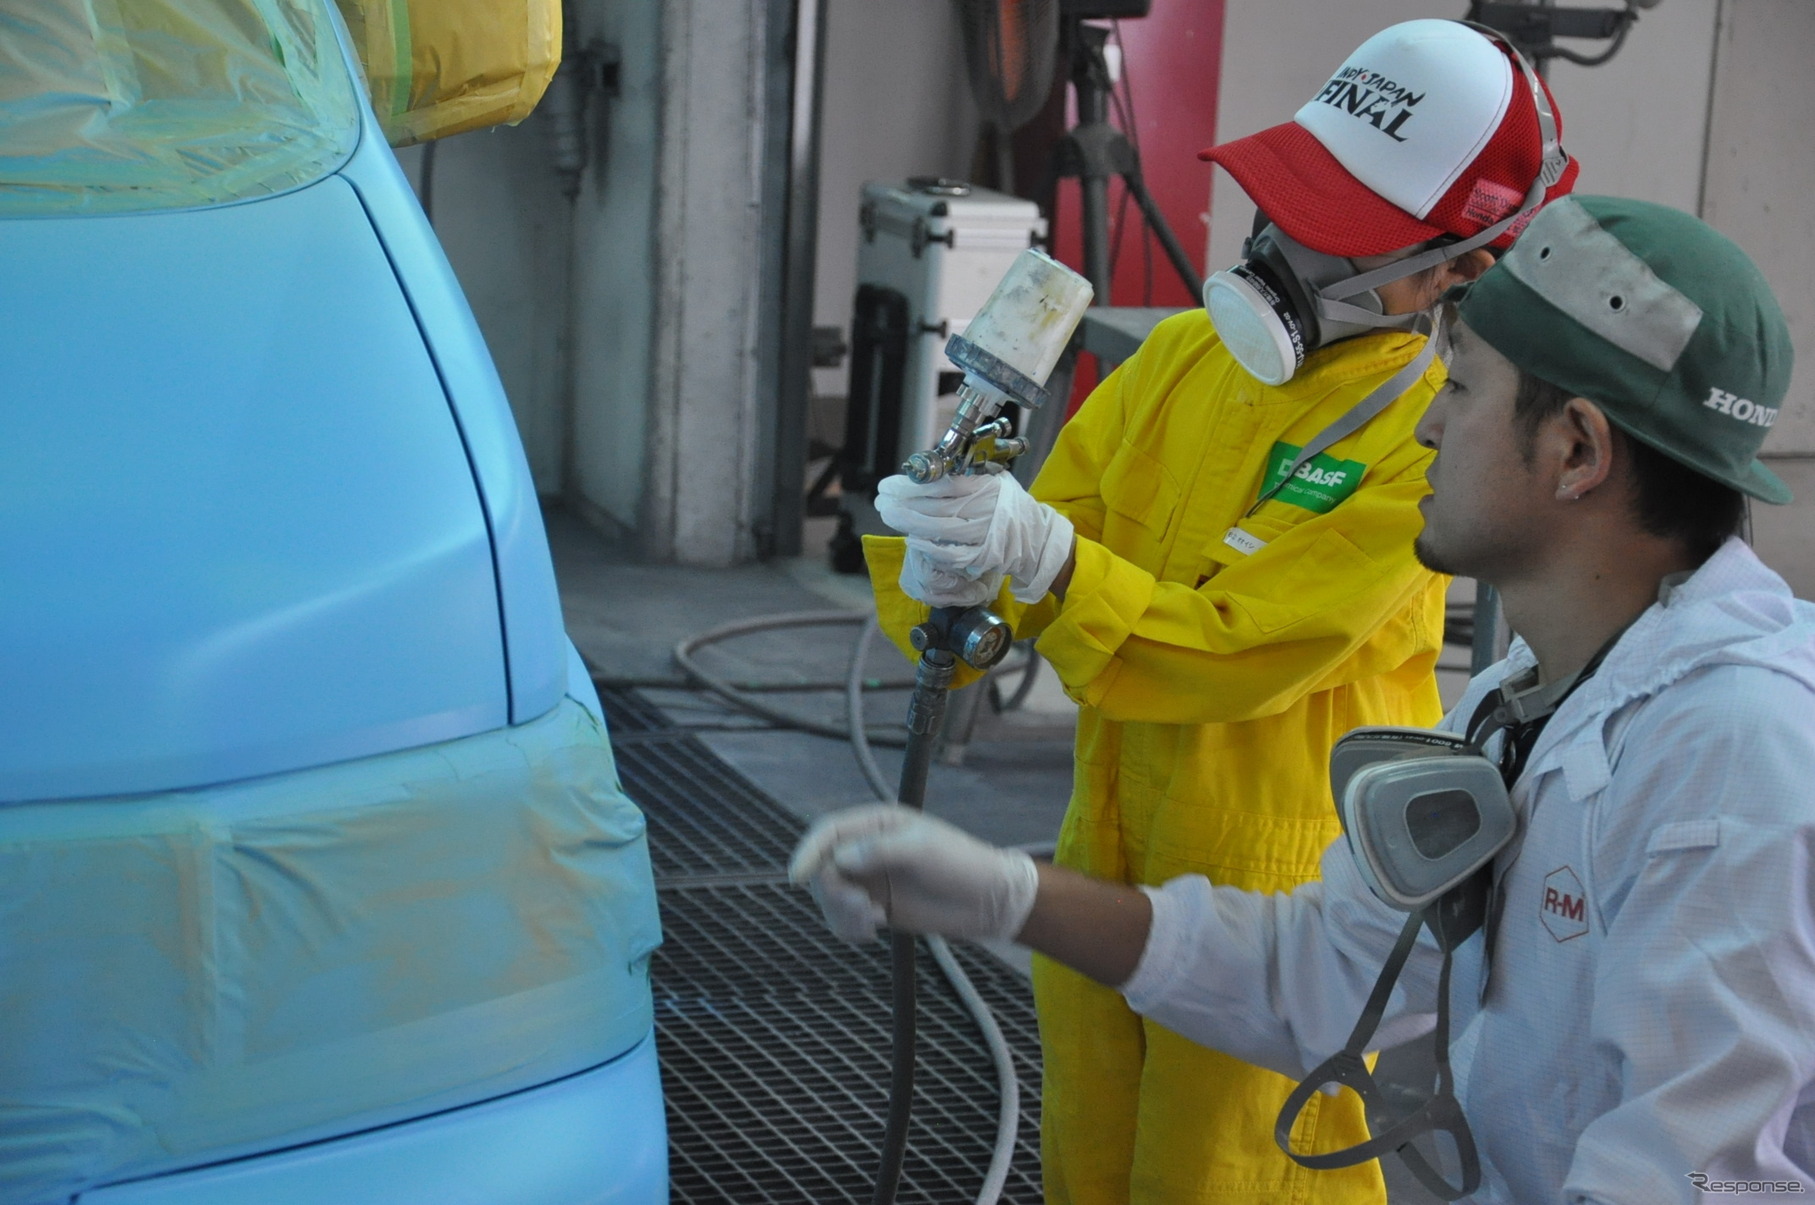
x=1063, y=582
x=1092, y=926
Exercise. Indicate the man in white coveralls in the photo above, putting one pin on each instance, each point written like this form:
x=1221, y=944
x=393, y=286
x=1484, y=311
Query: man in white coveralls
x=1647, y=1032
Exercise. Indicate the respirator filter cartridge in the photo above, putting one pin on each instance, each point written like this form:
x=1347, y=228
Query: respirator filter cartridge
x=1257, y=322
x=1422, y=811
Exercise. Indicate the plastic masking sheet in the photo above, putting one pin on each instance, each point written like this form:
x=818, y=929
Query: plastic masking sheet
x=115, y=105
x=440, y=67
x=192, y=976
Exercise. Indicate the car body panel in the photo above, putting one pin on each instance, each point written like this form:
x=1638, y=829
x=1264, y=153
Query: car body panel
x=535, y=645
x=240, y=523
x=564, y=1142
x=202, y=975
x=322, y=885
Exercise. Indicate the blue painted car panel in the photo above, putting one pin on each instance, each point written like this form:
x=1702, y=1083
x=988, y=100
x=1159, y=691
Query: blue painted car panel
x=575, y=1141
x=580, y=687
x=241, y=530
x=526, y=583
x=265, y=510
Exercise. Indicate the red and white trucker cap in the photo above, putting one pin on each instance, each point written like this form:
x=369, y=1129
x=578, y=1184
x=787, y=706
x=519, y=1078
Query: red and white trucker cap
x=1427, y=129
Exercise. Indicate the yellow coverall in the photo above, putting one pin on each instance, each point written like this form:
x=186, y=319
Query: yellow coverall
x=1212, y=683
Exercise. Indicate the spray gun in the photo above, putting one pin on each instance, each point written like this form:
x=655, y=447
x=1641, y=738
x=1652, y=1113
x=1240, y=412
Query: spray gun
x=1007, y=352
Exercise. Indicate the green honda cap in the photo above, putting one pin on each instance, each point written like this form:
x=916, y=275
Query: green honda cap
x=1653, y=316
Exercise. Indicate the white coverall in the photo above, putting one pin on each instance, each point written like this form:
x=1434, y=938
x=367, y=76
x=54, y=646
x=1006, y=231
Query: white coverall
x=1651, y=1010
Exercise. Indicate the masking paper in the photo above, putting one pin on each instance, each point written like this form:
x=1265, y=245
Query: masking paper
x=440, y=67
x=197, y=975
x=109, y=106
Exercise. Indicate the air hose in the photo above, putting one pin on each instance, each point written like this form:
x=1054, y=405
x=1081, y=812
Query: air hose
x=1008, y=1113
x=924, y=715
x=683, y=657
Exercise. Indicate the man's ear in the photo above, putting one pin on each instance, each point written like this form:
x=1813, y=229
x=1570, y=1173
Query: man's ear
x=1584, y=444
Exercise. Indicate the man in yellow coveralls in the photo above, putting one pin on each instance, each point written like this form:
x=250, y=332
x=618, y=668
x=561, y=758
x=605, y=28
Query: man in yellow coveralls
x=1217, y=560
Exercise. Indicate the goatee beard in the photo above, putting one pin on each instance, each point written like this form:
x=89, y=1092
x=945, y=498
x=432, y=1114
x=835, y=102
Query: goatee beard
x=1430, y=558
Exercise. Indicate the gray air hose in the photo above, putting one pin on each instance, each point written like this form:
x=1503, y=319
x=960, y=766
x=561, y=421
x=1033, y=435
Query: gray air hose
x=1008, y=1114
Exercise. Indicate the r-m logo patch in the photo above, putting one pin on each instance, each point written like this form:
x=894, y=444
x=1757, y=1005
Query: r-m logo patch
x=1564, y=906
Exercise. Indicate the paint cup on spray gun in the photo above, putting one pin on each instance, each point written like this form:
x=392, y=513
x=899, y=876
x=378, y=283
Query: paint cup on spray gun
x=1007, y=352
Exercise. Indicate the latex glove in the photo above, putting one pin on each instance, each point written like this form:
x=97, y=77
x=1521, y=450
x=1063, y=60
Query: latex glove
x=924, y=579
x=977, y=525
x=887, y=864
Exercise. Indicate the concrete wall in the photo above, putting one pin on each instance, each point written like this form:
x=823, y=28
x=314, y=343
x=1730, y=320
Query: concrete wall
x=1760, y=186
x=501, y=218
x=897, y=104
x=1639, y=123
x=1760, y=190
x=703, y=437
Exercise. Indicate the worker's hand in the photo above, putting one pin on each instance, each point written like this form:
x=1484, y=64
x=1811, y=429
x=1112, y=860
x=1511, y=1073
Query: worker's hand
x=887, y=864
x=977, y=525
x=924, y=579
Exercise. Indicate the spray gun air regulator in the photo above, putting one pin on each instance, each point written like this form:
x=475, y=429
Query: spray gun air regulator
x=1006, y=353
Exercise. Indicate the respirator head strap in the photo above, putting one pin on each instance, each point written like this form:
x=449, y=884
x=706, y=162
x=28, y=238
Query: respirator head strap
x=1552, y=163
x=1348, y=1067
x=1430, y=257
x=1329, y=310
x=1442, y=1113
x=1522, y=703
x=1554, y=159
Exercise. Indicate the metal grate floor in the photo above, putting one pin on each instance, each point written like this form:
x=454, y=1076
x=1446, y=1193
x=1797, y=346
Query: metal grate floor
x=773, y=1035
x=627, y=711
x=705, y=818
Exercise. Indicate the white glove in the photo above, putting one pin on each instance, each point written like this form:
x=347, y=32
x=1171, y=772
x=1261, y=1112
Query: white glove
x=887, y=864
x=924, y=579
x=977, y=525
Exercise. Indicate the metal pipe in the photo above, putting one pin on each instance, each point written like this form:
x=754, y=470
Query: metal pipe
x=1094, y=190
x=901, y=1067
x=793, y=387
x=1008, y=1110
x=1093, y=179
x=1487, y=645
x=1162, y=230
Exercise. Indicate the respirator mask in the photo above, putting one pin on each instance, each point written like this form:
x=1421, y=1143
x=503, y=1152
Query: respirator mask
x=1284, y=301
x=1425, y=813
